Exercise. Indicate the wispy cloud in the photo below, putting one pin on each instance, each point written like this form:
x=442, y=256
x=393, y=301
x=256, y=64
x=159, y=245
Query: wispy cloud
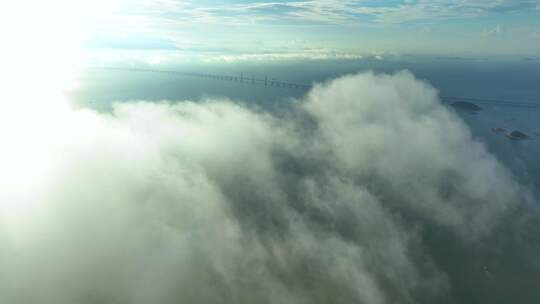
x=185, y=23
x=275, y=56
x=335, y=12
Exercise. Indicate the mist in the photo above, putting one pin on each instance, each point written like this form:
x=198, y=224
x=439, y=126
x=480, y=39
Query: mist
x=342, y=196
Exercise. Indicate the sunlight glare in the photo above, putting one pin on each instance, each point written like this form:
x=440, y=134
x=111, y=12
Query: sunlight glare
x=40, y=61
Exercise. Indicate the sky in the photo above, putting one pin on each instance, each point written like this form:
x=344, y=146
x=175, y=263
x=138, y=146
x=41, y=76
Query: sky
x=465, y=27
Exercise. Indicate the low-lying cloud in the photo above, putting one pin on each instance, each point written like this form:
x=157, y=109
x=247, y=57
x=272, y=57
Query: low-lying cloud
x=280, y=56
x=219, y=202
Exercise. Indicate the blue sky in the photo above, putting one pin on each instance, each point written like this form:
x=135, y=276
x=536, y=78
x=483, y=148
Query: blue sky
x=459, y=27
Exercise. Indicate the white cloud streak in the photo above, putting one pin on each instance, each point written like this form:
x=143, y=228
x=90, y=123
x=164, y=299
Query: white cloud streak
x=280, y=56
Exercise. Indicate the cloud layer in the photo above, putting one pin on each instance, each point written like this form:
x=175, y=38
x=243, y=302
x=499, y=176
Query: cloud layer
x=346, y=26
x=328, y=12
x=219, y=202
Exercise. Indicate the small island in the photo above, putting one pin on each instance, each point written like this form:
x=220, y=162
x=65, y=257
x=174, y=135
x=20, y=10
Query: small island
x=468, y=106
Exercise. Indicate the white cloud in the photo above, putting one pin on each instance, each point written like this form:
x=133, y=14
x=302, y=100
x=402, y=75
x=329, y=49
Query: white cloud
x=279, y=56
x=214, y=201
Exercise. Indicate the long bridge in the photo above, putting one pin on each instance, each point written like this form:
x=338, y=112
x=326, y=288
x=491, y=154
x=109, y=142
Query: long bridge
x=267, y=82
x=272, y=82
